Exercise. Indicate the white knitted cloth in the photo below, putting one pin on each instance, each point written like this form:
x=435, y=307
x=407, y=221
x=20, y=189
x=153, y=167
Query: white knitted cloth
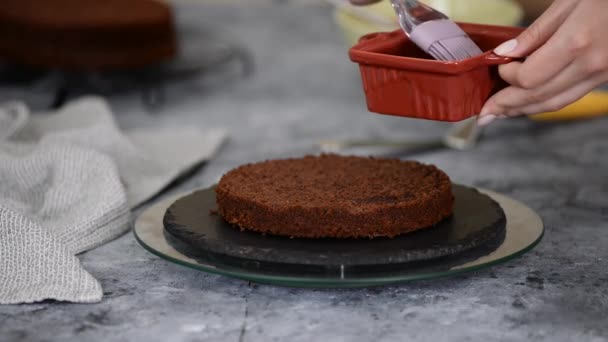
x=68, y=181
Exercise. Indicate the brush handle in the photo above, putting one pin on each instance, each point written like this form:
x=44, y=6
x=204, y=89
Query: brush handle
x=412, y=13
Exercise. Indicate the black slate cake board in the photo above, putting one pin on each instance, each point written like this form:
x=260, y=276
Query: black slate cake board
x=476, y=228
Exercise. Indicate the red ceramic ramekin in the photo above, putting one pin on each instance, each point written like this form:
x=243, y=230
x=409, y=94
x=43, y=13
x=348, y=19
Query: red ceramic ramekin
x=400, y=79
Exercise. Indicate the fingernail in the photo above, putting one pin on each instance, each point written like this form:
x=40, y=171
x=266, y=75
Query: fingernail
x=506, y=47
x=486, y=119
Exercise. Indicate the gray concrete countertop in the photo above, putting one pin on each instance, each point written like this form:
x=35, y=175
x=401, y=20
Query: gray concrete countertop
x=305, y=89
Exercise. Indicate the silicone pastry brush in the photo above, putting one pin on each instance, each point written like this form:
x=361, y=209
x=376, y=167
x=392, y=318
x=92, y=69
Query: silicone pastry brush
x=434, y=32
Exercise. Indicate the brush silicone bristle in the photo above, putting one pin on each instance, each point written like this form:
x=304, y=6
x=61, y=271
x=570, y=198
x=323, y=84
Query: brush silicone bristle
x=454, y=49
x=444, y=40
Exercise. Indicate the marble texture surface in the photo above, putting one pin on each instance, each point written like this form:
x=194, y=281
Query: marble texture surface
x=305, y=89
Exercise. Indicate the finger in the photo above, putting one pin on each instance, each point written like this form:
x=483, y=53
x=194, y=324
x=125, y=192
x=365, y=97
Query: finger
x=518, y=97
x=494, y=105
x=538, y=32
x=509, y=72
x=554, y=104
x=546, y=61
x=550, y=59
x=557, y=102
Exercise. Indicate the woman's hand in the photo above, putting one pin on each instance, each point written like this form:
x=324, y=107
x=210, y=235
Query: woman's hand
x=566, y=52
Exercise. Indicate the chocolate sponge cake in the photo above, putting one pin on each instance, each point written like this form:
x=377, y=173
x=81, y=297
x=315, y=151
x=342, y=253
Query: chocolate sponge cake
x=332, y=196
x=86, y=34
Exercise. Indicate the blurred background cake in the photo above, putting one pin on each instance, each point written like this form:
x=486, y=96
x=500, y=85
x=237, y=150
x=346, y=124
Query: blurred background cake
x=86, y=34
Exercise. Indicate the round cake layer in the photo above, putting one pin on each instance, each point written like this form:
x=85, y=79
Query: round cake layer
x=335, y=196
x=86, y=34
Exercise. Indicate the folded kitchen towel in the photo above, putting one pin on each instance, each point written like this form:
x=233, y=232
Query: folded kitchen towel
x=68, y=182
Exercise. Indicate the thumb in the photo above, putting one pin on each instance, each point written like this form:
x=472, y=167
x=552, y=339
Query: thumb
x=538, y=32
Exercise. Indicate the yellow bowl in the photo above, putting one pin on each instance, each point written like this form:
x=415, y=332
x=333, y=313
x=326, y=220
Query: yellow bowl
x=496, y=12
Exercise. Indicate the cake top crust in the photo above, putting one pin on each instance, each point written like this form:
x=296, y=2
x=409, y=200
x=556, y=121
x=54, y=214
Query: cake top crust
x=335, y=181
